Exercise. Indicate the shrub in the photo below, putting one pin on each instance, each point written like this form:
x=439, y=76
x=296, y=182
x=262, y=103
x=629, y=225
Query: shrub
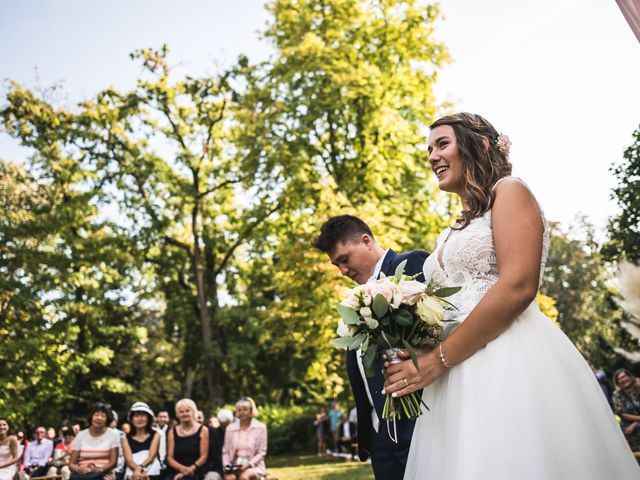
x=290, y=428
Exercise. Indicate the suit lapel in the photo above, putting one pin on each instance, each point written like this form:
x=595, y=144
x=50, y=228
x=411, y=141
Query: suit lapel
x=388, y=261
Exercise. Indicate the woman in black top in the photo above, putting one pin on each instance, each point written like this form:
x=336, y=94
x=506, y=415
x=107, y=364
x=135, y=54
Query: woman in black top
x=187, y=444
x=141, y=445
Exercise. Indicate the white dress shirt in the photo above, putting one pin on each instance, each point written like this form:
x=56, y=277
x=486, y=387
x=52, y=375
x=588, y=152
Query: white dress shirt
x=347, y=430
x=162, y=447
x=38, y=452
x=375, y=421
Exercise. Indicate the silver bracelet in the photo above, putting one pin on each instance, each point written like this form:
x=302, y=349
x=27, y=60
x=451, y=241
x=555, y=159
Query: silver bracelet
x=441, y=355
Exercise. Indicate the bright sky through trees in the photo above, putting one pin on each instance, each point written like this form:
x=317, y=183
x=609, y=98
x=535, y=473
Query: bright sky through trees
x=559, y=77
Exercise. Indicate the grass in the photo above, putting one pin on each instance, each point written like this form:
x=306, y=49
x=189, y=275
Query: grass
x=312, y=467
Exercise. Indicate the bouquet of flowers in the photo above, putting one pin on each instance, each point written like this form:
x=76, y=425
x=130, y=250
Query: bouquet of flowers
x=386, y=315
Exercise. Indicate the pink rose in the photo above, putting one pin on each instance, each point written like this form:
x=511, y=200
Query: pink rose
x=383, y=287
x=411, y=290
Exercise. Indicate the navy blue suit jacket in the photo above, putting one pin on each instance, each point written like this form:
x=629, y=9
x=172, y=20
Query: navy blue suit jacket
x=415, y=261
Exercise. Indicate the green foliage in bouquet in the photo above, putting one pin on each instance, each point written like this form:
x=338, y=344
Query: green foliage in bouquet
x=396, y=312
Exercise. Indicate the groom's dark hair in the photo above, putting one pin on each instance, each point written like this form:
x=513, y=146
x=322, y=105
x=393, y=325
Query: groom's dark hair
x=340, y=229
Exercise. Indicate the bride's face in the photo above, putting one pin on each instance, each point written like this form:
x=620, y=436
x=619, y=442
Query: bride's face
x=445, y=159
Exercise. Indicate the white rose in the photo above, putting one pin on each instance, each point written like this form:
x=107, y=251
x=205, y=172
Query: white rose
x=351, y=302
x=366, y=312
x=372, y=323
x=430, y=310
x=396, y=301
x=366, y=299
x=343, y=329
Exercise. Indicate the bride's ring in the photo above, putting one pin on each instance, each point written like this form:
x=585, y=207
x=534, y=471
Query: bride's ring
x=406, y=384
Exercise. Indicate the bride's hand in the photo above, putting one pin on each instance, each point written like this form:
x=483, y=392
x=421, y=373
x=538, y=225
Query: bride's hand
x=403, y=378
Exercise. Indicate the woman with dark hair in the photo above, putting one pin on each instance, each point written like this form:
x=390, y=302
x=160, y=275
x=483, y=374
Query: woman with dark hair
x=59, y=461
x=321, y=424
x=141, y=444
x=9, y=456
x=95, y=449
x=22, y=446
x=626, y=404
x=510, y=395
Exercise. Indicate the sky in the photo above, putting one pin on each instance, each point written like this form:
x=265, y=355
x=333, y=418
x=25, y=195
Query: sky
x=559, y=77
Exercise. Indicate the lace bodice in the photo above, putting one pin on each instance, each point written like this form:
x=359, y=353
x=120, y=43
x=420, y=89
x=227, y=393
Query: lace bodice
x=468, y=259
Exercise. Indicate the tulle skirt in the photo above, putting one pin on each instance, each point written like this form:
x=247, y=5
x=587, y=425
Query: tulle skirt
x=525, y=407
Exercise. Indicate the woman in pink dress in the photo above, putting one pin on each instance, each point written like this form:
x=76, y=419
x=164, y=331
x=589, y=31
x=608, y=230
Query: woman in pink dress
x=8, y=451
x=245, y=444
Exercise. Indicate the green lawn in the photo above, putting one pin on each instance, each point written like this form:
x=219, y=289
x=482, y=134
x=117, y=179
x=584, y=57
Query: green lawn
x=312, y=467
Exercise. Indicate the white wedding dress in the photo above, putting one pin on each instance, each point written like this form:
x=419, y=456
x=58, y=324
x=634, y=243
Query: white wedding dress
x=525, y=407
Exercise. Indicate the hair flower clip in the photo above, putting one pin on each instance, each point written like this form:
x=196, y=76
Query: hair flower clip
x=504, y=144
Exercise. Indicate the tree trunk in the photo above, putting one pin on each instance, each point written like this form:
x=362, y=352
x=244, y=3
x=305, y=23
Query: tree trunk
x=211, y=368
x=188, y=383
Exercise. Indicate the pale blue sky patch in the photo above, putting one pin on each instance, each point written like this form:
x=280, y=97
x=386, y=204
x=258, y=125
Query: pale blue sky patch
x=560, y=77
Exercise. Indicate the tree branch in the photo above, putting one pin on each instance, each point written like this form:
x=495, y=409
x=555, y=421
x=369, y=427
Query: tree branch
x=223, y=184
x=243, y=236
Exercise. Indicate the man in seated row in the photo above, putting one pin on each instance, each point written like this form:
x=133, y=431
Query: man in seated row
x=37, y=454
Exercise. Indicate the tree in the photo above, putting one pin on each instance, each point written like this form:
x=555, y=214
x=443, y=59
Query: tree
x=629, y=284
x=191, y=203
x=624, y=229
x=67, y=274
x=577, y=277
x=345, y=100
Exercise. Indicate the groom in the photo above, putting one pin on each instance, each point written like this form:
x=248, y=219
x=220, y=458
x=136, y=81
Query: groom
x=352, y=248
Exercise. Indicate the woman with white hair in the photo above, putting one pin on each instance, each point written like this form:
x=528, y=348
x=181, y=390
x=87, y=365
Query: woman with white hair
x=187, y=444
x=245, y=444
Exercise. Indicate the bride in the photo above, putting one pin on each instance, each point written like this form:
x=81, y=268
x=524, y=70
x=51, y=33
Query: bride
x=510, y=396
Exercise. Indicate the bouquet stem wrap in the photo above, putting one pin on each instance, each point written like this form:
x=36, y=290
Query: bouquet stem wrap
x=403, y=407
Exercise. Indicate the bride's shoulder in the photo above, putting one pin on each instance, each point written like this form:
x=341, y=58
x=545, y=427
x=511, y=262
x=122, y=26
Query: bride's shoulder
x=509, y=187
x=508, y=180
x=513, y=196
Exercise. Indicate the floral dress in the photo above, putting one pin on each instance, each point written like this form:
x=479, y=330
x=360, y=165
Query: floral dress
x=625, y=403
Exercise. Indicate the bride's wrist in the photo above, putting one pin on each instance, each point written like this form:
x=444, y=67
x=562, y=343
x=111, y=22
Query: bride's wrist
x=444, y=360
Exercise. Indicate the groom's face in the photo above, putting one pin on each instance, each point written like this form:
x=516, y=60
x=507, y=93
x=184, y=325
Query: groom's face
x=355, y=259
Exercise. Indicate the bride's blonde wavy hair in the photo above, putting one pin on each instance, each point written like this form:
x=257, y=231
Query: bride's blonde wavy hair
x=483, y=166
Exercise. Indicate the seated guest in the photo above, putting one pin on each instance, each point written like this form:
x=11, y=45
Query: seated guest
x=22, y=445
x=37, y=453
x=225, y=417
x=162, y=426
x=59, y=461
x=120, y=465
x=95, y=449
x=141, y=445
x=626, y=404
x=220, y=422
x=9, y=457
x=187, y=444
x=213, y=422
x=213, y=467
x=347, y=435
x=245, y=444
x=51, y=435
